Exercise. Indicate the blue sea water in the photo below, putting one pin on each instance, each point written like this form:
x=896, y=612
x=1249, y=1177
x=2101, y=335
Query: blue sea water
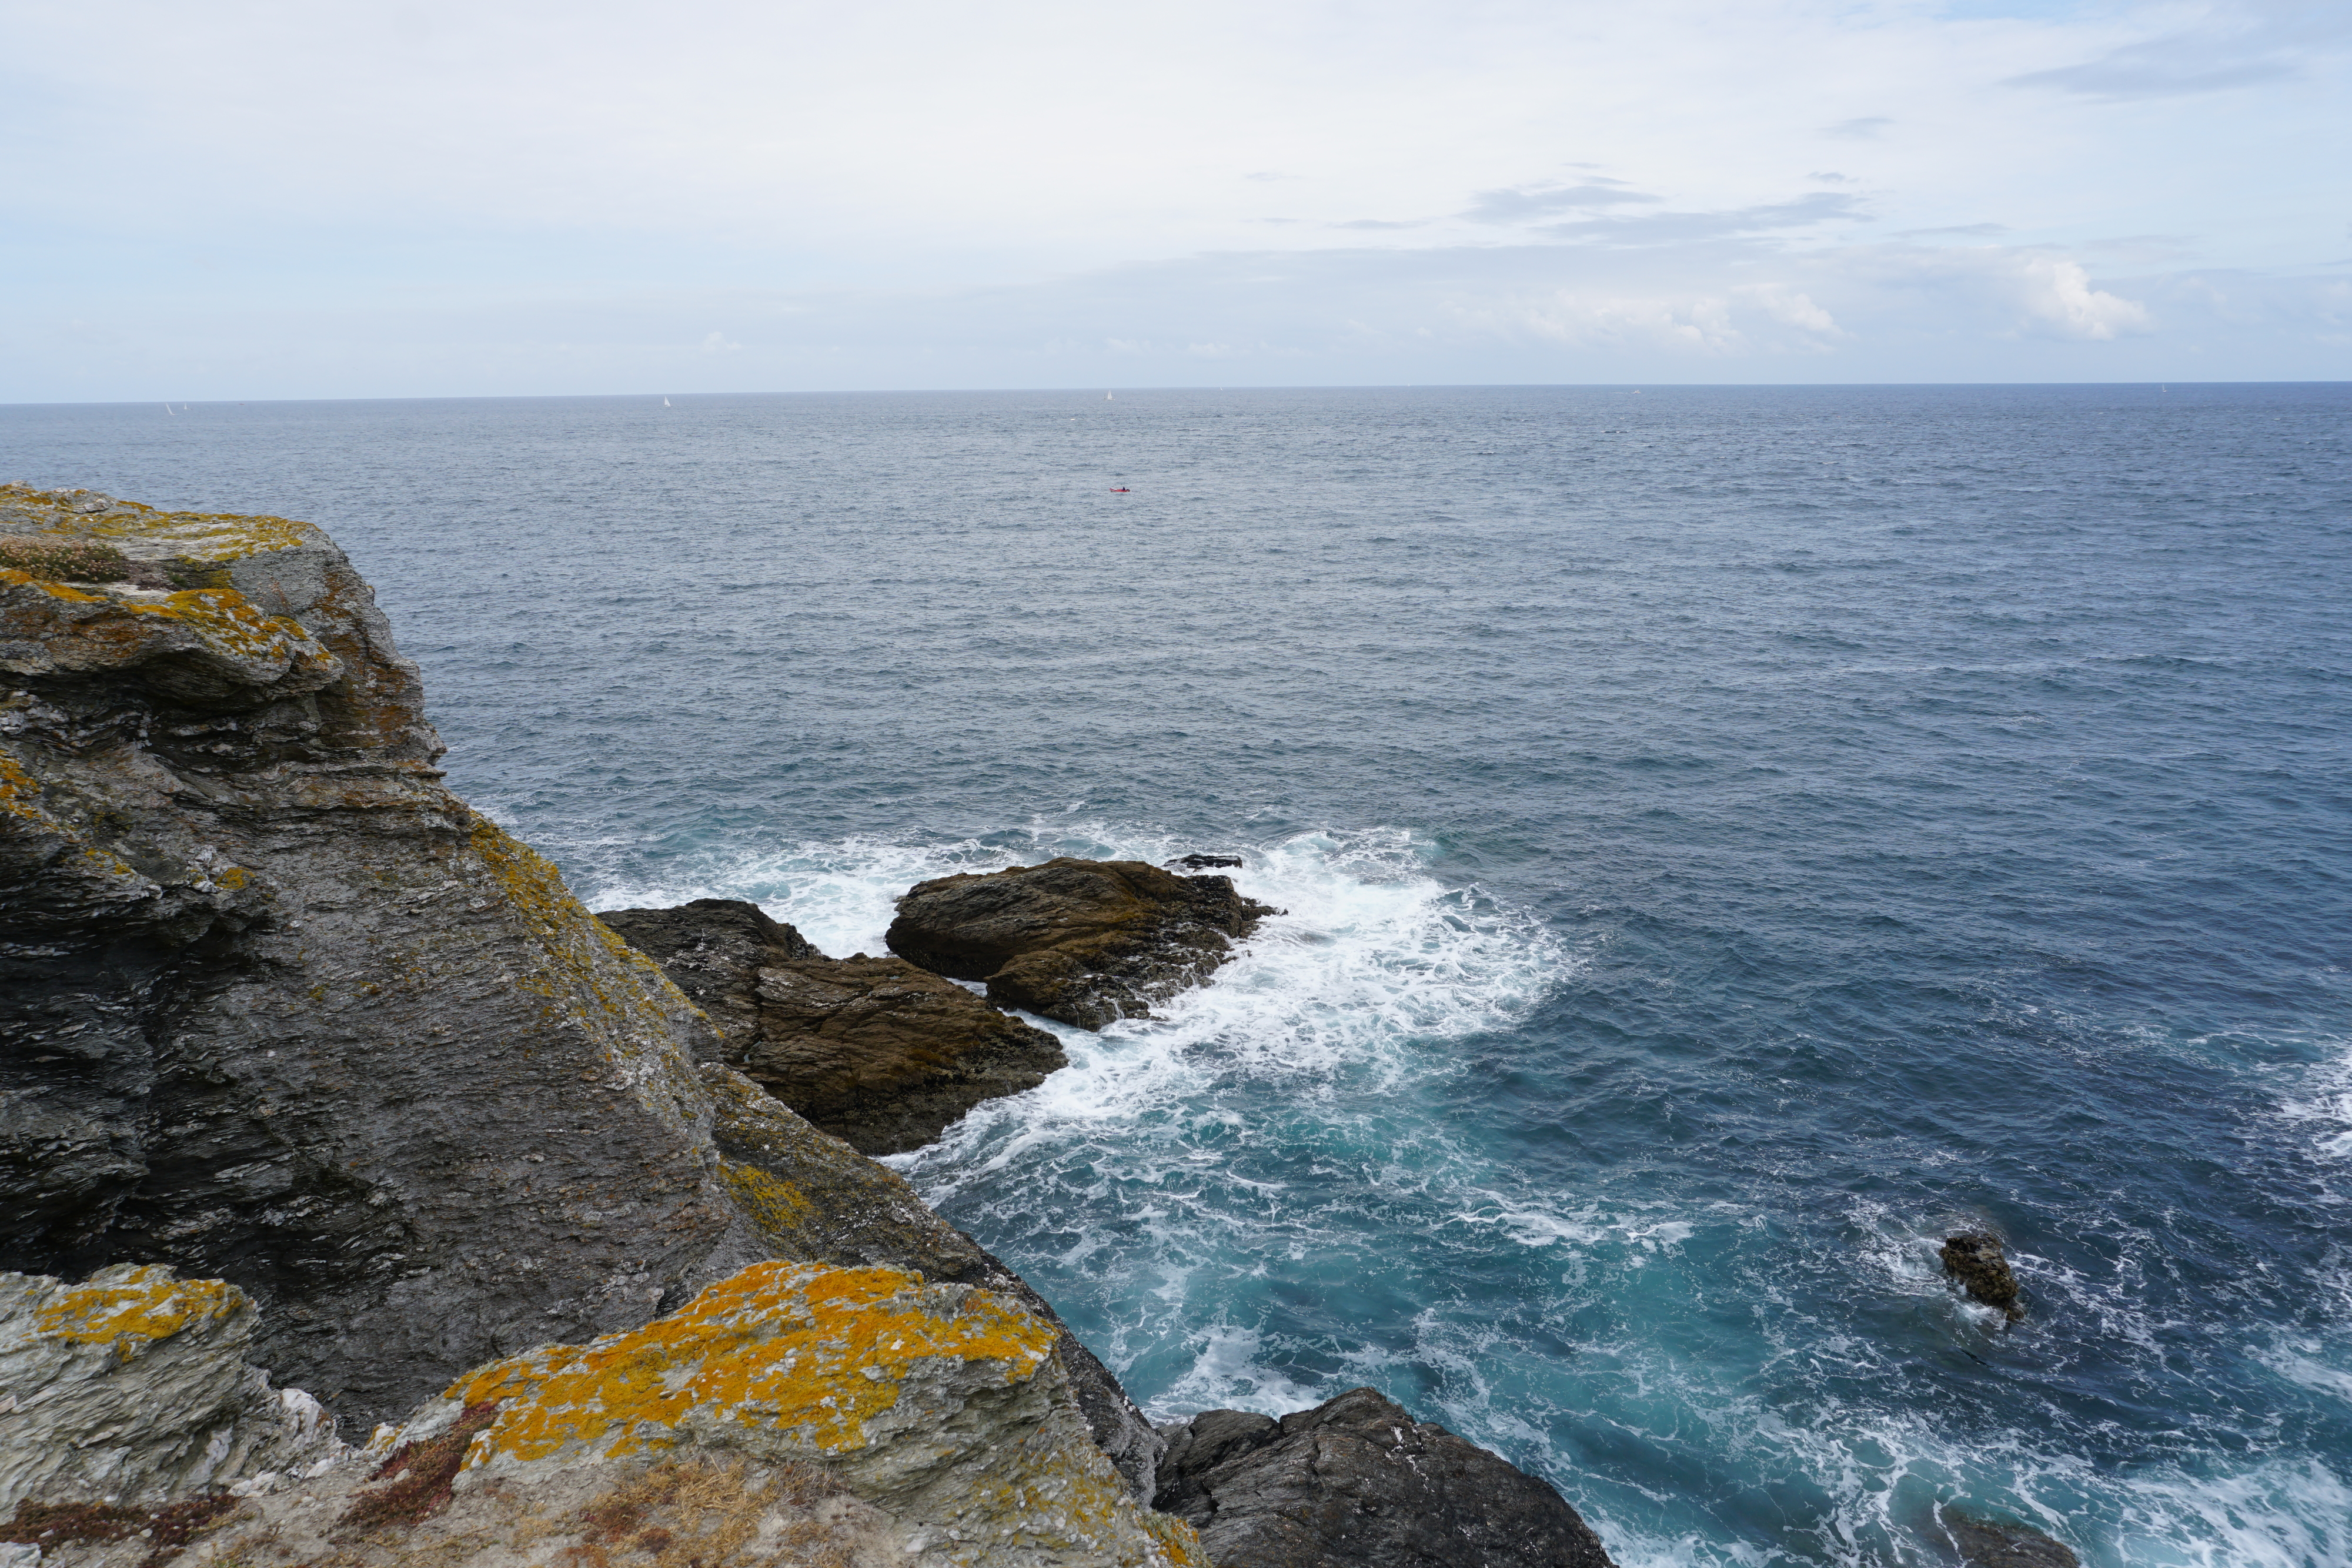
x=1730, y=839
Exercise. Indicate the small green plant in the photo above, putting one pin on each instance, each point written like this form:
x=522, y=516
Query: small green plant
x=55, y=559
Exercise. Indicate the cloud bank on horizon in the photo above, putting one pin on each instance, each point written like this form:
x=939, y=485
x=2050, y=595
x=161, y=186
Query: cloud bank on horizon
x=261, y=199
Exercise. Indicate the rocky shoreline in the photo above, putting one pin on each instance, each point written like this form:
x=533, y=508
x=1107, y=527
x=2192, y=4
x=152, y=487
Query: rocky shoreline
x=310, y=1067
x=306, y=1066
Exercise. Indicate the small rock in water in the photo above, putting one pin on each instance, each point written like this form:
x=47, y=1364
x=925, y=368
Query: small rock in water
x=1985, y=1544
x=1203, y=862
x=1975, y=1258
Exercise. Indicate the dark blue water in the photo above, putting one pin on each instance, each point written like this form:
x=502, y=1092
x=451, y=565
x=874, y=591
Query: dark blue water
x=1731, y=838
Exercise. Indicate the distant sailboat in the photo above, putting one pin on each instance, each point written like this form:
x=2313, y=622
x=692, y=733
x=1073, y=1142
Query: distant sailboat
x=1111, y=397
x=167, y=409
x=665, y=403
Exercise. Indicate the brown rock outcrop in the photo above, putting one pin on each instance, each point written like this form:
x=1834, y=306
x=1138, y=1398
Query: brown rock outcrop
x=1357, y=1482
x=1977, y=1260
x=874, y=1051
x=1083, y=942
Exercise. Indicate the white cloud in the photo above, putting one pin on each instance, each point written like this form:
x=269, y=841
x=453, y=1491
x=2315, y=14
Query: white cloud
x=482, y=166
x=2015, y=291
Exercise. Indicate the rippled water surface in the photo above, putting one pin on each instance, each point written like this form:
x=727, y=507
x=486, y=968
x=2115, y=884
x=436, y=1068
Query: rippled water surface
x=1730, y=839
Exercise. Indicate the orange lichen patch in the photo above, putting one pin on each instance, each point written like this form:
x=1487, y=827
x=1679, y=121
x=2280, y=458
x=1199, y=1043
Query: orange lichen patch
x=63, y=629
x=1176, y=1538
x=20, y=792
x=775, y=1206
x=228, y=620
x=809, y=1353
x=135, y=1309
x=11, y=577
x=203, y=536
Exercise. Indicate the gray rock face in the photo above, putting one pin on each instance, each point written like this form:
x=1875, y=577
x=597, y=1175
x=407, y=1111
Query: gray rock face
x=276, y=1008
x=874, y=1051
x=1356, y=1483
x=1083, y=942
x=279, y=1009
x=132, y=1388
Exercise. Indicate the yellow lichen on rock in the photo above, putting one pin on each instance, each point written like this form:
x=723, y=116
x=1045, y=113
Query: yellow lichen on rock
x=943, y=1405
x=770, y=1202
x=124, y=1310
x=207, y=641
x=806, y=1353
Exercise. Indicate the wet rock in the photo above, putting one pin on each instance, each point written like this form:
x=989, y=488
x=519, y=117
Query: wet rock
x=1205, y=862
x=874, y=1051
x=1357, y=1482
x=1084, y=942
x=132, y=1388
x=1992, y=1543
x=1977, y=1260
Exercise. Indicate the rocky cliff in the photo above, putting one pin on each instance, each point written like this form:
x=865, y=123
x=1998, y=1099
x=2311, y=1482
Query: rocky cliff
x=276, y=1008
x=280, y=1013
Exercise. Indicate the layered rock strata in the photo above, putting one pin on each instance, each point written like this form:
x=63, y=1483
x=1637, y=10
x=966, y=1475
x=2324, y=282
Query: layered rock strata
x=1082, y=942
x=276, y=1008
x=132, y=1389
x=875, y=1051
x=1358, y=1480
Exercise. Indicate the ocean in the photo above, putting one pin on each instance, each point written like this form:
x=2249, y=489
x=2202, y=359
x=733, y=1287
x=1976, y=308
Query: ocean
x=1729, y=839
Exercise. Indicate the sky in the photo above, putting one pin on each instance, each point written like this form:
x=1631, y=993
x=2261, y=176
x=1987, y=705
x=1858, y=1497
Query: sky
x=248, y=199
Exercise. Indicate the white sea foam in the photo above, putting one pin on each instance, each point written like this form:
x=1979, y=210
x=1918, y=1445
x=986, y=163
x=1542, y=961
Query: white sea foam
x=1185, y=1170
x=2320, y=1109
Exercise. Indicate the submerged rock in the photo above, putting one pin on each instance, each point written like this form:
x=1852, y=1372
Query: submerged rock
x=1205, y=862
x=874, y=1051
x=1991, y=1543
x=1357, y=1482
x=1084, y=942
x=1977, y=1260
x=132, y=1389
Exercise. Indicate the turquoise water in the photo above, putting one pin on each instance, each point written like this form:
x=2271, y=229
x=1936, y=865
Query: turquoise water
x=1731, y=838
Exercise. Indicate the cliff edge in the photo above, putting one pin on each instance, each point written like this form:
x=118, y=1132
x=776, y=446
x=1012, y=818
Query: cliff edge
x=278, y=1008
